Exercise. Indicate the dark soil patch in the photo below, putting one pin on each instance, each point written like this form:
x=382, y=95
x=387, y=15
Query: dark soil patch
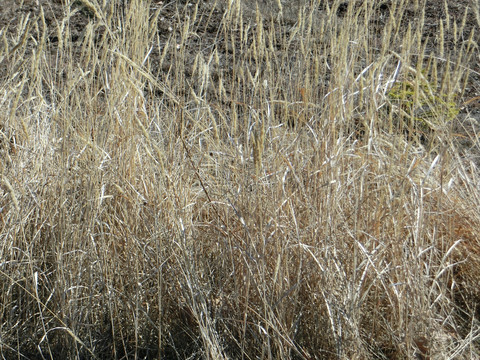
x=12, y=12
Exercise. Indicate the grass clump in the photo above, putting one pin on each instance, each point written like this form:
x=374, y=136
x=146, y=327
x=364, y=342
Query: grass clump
x=186, y=180
x=418, y=100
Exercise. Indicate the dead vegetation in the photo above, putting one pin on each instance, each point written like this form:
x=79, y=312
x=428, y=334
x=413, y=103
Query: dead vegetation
x=237, y=186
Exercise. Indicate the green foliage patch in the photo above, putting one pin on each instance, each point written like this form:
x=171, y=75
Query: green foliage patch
x=420, y=100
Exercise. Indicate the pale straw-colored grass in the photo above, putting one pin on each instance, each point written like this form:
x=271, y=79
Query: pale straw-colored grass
x=258, y=198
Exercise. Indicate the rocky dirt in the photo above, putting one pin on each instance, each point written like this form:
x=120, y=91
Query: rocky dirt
x=13, y=12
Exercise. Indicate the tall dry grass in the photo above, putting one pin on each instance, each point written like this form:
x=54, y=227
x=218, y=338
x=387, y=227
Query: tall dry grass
x=242, y=188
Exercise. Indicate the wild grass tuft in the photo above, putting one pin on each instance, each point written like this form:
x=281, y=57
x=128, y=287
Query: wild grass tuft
x=192, y=180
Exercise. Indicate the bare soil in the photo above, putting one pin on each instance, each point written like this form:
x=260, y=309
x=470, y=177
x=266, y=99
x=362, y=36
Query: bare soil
x=12, y=12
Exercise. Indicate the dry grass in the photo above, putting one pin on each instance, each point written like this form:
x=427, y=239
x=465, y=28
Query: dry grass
x=259, y=200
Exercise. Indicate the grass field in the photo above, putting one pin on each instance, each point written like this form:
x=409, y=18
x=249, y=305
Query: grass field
x=209, y=181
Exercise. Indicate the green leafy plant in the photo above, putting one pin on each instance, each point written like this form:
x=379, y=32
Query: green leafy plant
x=418, y=99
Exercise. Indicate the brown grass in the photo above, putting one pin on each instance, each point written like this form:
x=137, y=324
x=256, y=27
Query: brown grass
x=257, y=198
